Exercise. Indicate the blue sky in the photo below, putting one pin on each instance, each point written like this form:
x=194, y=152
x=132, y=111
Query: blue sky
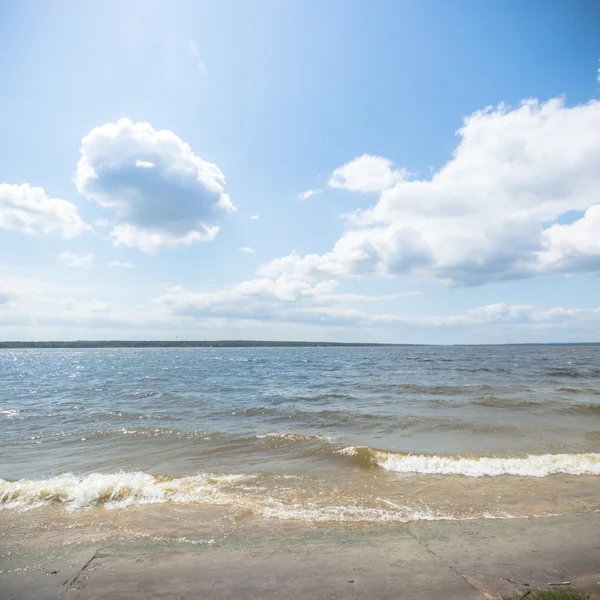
x=157, y=162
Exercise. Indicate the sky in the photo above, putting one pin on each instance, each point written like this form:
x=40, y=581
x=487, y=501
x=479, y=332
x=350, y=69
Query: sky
x=386, y=171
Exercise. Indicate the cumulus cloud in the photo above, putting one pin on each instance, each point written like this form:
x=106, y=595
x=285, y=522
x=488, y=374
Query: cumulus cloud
x=246, y=250
x=518, y=198
x=78, y=261
x=573, y=247
x=30, y=210
x=367, y=173
x=163, y=195
x=308, y=194
x=255, y=218
x=117, y=264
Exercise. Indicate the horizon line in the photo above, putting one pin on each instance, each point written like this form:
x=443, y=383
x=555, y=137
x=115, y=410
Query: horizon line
x=232, y=343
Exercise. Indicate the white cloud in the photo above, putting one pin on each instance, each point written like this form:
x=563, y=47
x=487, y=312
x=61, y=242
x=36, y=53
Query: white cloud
x=321, y=303
x=195, y=52
x=490, y=213
x=262, y=290
x=81, y=261
x=41, y=306
x=151, y=241
x=281, y=299
x=29, y=210
x=247, y=249
x=163, y=195
x=574, y=247
x=121, y=265
x=367, y=173
x=308, y=194
x=255, y=218
x=508, y=314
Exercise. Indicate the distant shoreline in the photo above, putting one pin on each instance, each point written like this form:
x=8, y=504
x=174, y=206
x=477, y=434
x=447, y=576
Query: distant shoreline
x=244, y=344
x=187, y=344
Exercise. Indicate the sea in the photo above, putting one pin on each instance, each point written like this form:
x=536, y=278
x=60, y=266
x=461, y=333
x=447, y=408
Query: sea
x=188, y=443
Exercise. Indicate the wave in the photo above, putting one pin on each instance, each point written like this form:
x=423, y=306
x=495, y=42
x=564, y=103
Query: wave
x=449, y=425
x=321, y=397
x=513, y=403
x=283, y=496
x=573, y=373
x=243, y=493
x=435, y=390
x=115, y=490
x=541, y=465
x=576, y=390
x=591, y=408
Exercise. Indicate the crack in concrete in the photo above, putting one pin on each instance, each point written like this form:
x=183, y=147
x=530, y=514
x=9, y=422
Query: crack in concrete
x=451, y=567
x=85, y=566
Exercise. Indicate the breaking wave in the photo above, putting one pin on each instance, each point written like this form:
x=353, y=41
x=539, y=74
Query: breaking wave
x=242, y=493
x=115, y=490
x=541, y=465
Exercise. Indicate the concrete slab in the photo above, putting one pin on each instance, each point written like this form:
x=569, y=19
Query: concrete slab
x=423, y=561
x=400, y=568
x=507, y=557
x=35, y=574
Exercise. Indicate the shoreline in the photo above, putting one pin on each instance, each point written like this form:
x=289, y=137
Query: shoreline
x=441, y=559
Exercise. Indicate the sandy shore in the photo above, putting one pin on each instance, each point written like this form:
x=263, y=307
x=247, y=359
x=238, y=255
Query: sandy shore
x=466, y=560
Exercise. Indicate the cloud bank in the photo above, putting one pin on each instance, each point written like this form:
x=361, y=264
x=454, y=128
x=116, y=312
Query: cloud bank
x=518, y=198
x=281, y=299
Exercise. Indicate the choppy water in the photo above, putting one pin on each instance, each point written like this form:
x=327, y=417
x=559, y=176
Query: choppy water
x=307, y=434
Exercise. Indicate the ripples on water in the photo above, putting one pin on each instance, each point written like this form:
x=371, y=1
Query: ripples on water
x=323, y=434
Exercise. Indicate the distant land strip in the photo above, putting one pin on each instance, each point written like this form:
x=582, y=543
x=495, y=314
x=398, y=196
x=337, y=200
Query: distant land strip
x=185, y=344
x=248, y=344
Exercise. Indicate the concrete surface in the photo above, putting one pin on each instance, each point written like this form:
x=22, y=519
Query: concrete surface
x=428, y=560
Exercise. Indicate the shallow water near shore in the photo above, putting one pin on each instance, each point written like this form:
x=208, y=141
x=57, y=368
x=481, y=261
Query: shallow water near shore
x=122, y=439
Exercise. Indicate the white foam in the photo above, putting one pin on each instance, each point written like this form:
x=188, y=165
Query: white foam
x=293, y=437
x=541, y=465
x=128, y=489
x=115, y=490
x=313, y=513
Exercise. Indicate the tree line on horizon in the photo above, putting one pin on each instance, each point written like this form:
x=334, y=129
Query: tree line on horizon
x=176, y=344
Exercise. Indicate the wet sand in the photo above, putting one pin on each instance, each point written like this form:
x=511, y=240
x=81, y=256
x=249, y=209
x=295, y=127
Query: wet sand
x=466, y=560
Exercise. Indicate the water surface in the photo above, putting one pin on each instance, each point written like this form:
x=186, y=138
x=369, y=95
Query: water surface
x=303, y=434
